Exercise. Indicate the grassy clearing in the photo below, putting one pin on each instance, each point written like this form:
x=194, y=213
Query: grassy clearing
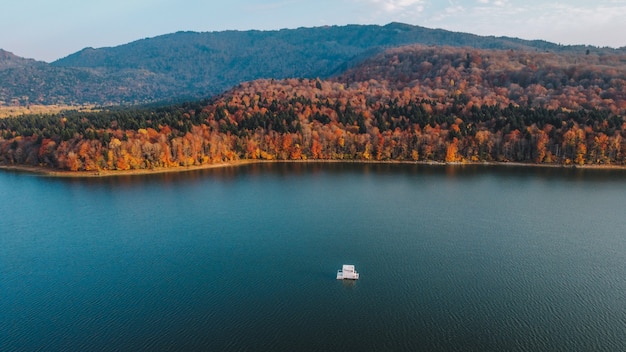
x=11, y=111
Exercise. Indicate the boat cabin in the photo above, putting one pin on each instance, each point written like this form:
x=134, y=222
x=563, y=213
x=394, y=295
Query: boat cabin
x=347, y=272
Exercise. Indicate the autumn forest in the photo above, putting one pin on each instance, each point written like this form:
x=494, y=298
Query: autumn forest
x=413, y=103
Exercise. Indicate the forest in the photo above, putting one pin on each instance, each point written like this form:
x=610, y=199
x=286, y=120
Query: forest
x=190, y=65
x=414, y=103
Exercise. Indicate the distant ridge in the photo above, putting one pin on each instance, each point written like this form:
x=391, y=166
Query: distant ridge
x=191, y=65
x=10, y=60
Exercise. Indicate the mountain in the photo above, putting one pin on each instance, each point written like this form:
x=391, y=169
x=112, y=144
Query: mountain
x=9, y=60
x=189, y=65
x=412, y=103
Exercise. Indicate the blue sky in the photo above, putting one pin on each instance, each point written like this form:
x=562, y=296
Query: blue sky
x=47, y=30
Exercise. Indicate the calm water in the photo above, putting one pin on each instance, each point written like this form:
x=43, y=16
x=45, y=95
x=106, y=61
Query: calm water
x=244, y=259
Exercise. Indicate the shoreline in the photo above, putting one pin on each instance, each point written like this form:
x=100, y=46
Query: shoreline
x=44, y=171
x=47, y=172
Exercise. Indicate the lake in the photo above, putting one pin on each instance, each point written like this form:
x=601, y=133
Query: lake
x=451, y=258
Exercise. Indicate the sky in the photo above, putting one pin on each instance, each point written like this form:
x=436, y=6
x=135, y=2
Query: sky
x=49, y=30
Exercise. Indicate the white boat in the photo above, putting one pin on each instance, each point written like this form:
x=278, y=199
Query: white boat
x=347, y=272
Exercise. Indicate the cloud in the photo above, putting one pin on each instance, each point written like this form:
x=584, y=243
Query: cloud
x=395, y=6
x=451, y=11
x=600, y=23
x=386, y=11
x=493, y=2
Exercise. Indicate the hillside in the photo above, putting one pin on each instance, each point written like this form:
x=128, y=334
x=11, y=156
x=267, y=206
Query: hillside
x=9, y=60
x=415, y=103
x=500, y=77
x=190, y=65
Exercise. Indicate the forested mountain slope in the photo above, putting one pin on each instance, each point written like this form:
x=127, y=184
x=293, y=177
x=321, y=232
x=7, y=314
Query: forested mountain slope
x=413, y=103
x=194, y=65
x=500, y=77
x=10, y=60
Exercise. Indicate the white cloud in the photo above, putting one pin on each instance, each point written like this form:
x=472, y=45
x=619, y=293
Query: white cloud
x=398, y=5
x=453, y=10
x=599, y=23
x=493, y=2
x=386, y=11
